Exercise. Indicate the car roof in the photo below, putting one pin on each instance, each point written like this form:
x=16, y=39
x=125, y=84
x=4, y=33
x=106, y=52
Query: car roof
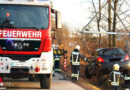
x=106, y=49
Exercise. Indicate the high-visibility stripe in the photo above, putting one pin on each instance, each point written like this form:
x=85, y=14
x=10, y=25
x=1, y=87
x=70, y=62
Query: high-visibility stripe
x=127, y=78
x=57, y=59
x=57, y=69
x=117, y=73
x=75, y=63
x=75, y=53
x=114, y=77
x=74, y=75
x=114, y=83
x=57, y=56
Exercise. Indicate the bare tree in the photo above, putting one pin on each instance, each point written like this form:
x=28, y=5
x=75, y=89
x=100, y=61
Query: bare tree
x=114, y=22
x=109, y=22
x=98, y=18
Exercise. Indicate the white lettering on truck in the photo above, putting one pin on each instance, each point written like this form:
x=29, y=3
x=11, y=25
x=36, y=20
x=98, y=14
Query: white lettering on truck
x=24, y=34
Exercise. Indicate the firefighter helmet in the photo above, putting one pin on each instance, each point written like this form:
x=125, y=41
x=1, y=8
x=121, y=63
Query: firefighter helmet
x=116, y=67
x=62, y=45
x=77, y=47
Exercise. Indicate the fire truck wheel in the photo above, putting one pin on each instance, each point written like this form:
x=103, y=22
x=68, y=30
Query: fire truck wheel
x=45, y=81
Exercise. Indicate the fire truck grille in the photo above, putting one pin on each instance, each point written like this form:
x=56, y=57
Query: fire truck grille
x=20, y=45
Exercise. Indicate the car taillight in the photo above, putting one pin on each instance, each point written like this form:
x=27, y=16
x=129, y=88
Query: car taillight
x=126, y=57
x=47, y=45
x=100, y=59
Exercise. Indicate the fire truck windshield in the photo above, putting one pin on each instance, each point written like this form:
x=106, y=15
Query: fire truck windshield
x=24, y=17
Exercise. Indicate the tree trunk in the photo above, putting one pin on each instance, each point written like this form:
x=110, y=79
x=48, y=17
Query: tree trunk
x=109, y=23
x=114, y=23
x=98, y=22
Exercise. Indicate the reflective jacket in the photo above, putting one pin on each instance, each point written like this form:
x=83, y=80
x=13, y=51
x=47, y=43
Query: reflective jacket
x=75, y=57
x=114, y=77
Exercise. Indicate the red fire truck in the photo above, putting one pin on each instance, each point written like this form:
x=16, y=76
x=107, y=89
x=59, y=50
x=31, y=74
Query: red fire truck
x=25, y=40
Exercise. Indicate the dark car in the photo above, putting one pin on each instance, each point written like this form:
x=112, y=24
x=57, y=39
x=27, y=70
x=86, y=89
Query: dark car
x=102, y=61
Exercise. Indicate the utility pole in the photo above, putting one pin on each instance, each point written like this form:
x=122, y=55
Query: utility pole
x=114, y=22
x=109, y=23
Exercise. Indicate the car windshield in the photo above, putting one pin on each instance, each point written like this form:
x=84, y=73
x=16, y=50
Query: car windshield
x=24, y=17
x=108, y=52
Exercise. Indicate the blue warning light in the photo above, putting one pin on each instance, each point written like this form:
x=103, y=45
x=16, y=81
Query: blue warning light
x=13, y=64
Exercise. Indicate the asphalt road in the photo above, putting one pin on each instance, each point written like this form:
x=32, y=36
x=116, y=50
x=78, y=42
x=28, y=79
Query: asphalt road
x=58, y=83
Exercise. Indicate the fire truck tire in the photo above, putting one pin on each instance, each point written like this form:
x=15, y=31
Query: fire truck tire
x=45, y=81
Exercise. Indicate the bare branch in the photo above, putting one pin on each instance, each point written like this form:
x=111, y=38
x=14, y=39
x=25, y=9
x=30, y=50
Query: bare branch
x=119, y=17
x=93, y=17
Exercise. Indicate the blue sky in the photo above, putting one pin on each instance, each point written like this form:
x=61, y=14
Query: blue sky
x=74, y=14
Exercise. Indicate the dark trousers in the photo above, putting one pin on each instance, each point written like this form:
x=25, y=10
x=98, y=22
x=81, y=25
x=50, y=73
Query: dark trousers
x=127, y=83
x=75, y=69
x=57, y=65
x=75, y=72
x=114, y=87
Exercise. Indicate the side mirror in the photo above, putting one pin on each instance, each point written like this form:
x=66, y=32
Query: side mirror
x=58, y=20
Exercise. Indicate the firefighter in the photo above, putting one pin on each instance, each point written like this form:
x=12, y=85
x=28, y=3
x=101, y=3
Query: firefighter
x=127, y=81
x=114, y=77
x=58, y=52
x=75, y=62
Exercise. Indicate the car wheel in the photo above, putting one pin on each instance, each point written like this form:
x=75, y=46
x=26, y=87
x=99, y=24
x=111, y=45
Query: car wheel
x=45, y=81
x=98, y=74
x=87, y=74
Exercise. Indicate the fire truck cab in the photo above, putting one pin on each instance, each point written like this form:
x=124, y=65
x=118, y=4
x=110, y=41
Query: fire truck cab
x=25, y=40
